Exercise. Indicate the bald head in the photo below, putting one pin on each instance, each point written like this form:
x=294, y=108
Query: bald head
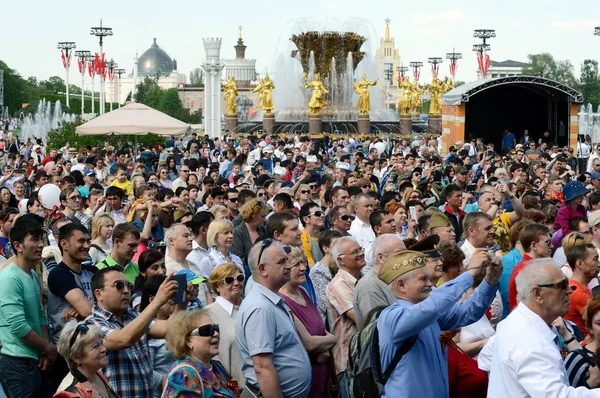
x=384, y=246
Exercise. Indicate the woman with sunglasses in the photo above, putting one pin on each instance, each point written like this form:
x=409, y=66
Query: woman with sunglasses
x=308, y=322
x=82, y=346
x=163, y=178
x=194, y=342
x=227, y=283
x=303, y=196
x=245, y=235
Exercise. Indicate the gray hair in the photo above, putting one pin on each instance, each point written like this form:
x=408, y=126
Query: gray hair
x=81, y=344
x=534, y=273
x=405, y=277
x=170, y=232
x=382, y=245
x=471, y=219
x=338, y=247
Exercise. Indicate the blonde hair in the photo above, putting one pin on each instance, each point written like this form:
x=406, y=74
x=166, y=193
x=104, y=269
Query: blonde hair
x=295, y=252
x=302, y=187
x=214, y=209
x=574, y=239
x=215, y=228
x=219, y=273
x=81, y=344
x=100, y=220
x=252, y=208
x=183, y=324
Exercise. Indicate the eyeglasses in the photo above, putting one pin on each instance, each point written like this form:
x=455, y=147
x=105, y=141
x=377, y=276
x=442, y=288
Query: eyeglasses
x=120, y=285
x=562, y=285
x=304, y=192
x=415, y=197
x=317, y=213
x=81, y=328
x=230, y=279
x=205, y=331
x=355, y=252
x=76, y=198
x=185, y=171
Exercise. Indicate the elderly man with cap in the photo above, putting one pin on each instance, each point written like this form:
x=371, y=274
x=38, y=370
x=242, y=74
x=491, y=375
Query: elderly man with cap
x=433, y=258
x=440, y=225
x=419, y=311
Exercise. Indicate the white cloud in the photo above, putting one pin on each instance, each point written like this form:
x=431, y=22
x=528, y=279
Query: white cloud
x=442, y=16
x=574, y=25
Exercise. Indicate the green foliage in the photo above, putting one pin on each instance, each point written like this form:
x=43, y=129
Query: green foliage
x=148, y=92
x=17, y=91
x=66, y=133
x=589, y=82
x=197, y=77
x=544, y=65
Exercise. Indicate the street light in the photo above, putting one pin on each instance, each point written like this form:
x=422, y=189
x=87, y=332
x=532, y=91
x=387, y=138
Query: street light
x=453, y=57
x=416, y=65
x=82, y=59
x=119, y=72
x=483, y=59
x=435, y=62
x=65, y=48
x=597, y=31
x=101, y=32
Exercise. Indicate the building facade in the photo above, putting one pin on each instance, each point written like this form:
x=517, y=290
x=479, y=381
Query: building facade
x=388, y=61
x=505, y=68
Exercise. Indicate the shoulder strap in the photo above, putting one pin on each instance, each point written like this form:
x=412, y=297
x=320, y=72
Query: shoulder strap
x=406, y=346
x=97, y=247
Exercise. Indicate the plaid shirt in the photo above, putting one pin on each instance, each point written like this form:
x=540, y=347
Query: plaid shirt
x=85, y=219
x=129, y=370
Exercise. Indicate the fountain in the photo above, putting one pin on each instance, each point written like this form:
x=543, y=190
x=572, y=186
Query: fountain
x=45, y=118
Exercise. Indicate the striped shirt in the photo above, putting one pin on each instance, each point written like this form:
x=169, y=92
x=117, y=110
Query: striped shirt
x=578, y=367
x=340, y=294
x=129, y=370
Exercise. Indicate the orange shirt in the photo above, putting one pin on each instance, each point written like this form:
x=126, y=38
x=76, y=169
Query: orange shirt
x=579, y=300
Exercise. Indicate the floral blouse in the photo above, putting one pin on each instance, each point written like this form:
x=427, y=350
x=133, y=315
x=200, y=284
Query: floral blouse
x=183, y=380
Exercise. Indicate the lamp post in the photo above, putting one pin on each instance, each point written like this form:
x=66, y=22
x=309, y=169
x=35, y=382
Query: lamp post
x=66, y=48
x=483, y=59
x=453, y=57
x=101, y=32
x=82, y=60
x=435, y=62
x=92, y=73
x=119, y=72
x=416, y=65
x=110, y=71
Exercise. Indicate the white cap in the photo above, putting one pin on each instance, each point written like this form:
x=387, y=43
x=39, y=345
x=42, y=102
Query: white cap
x=268, y=149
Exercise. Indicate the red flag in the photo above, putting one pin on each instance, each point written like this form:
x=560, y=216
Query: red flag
x=486, y=64
x=81, y=64
x=452, y=68
x=91, y=69
x=64, y=59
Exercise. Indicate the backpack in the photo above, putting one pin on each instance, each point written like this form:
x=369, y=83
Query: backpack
x=364, y=378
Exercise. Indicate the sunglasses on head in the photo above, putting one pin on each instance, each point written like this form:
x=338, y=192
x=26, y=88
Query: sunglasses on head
x=266, y=243
x=230, y=279
x=120, y=285
x=205, y=331
x=347, y=217
x=82, y=328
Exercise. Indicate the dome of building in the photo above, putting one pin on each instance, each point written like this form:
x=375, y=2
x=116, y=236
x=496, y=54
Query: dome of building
x=153, y=60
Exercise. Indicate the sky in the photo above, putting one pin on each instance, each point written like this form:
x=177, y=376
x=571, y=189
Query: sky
x=30, y=32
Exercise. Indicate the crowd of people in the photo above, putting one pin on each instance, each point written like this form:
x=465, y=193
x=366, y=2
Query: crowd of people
x=245, y=265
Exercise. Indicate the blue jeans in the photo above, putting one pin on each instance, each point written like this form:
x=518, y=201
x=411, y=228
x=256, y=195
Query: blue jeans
x=22, y=375
x=342, y=383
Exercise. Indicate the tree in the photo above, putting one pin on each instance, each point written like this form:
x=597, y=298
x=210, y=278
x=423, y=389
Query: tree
x=589, y=82
x=544, y=65
x=170, y=103
x=17, y=91
x=197, y=77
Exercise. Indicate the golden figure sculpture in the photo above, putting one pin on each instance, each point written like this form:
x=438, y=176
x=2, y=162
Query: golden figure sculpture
x=317, y=102
x=404, y=103
x=265, y=97
x=230, y=96
x=415, y=100
x=435, y=104
x=447, y=86
x=362, y=89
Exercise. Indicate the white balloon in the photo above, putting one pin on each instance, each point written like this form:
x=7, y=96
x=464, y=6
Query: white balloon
x=49, y=196
x=23, y=206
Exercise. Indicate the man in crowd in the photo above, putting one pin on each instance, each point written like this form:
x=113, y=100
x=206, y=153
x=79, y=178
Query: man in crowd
x=273, y=361
x=233, y=204
x=312, y=219
x=126, y=239
x=339, y=197
x=370, y=292
x=361, y=228
x=199, y=226
x=115, y=197
x=583, y=260
x=453, y=195
x=479, y=233
x=350, y=259
x=416, y=312
x=341, y=219
x=382, y=222
x=440, y=225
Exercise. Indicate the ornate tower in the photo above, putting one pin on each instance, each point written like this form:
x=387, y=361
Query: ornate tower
x=212, y=86
x=240, y=48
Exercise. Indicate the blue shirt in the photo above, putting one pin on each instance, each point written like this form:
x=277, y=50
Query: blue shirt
x=508, y=141
x=266, y=163
x=509, y=262
x=264, y=326
x=423, y=371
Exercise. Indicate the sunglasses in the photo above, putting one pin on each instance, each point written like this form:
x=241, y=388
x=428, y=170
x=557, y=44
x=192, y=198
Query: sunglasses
x=120, y=285
x=82, y=328
x=205, y=331
x=562, y=285
x=317, y=213
x=312, y=186
x=230, y=279
x=347, y=217
x=233, y=200
x=304, y=192
x=366, y=186
x=262, y=194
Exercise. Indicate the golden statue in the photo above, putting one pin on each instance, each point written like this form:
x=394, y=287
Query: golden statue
x=447, y=85
x=362, y=89
x=435, y=104
x=230, y=96
x=415, y=93
x=404, y=102
x=265, y=98
x=316, y=103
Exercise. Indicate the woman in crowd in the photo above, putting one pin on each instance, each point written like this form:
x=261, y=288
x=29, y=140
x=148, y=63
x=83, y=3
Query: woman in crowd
x=227, y=283
x=310, y=325
x=137, y=181
x=150, y=263
x=572, y=239
x=7, y=199
x=19, y=189
x=251, y=230
x=172, y=172
x=7, y=217
x=578, y=361
x=452, y=261
x=219, y=238
x=163, y=178
x=100, y=169
x=194, y=341
x=160, y=358
x=219, y=211
x=82, y=346
x=102, y=227
x=406, y=227
x=323, y=271
x=302, y=196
